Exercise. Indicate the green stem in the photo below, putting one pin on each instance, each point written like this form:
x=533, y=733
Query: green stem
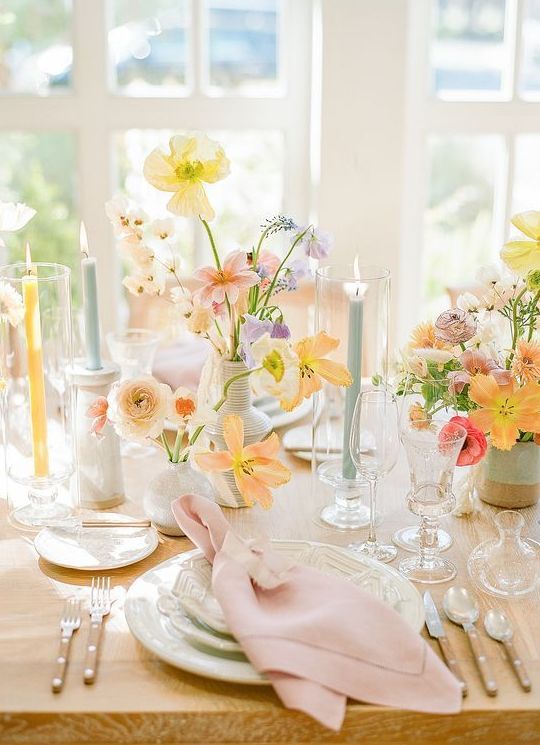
x=534, y=303
x=212, y=242
x=268, y=294
x=166, y=445
x=177, y=445
x=515, y=329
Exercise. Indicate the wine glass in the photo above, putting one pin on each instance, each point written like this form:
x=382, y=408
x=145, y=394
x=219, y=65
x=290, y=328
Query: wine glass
x=433, y=399
x=432, y=448
x=374, y=446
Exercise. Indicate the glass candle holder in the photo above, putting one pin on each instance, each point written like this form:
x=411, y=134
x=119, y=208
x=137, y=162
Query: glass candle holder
x=352, y=305
x=134, y=351
x=37, y=399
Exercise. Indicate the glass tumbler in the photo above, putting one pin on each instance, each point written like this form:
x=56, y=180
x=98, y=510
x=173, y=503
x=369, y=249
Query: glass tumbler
x=134, y=351
x=432, y=449
x=351, y=306
x=37, y=397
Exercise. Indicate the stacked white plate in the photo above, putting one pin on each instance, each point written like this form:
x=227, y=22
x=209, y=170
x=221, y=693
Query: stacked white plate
x=172, y=611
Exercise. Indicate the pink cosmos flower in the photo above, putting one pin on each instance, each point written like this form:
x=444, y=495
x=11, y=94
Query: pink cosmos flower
x=474, y=363
x=98, y=413
x=233, y=277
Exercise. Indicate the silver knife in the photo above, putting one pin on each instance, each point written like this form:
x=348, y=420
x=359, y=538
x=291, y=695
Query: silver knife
x=436, y=630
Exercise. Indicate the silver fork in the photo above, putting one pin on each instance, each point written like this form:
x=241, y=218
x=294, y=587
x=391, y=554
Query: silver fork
x=100, y=606
x=70, y=622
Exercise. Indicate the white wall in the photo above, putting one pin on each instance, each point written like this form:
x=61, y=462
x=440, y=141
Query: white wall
x=362, y=129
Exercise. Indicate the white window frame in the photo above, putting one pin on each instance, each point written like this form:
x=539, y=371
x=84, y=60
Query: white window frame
x=428, y=115
x=93, y=114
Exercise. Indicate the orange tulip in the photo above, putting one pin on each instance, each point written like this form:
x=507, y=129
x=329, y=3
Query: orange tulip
x=255, y=467
x=504, y=410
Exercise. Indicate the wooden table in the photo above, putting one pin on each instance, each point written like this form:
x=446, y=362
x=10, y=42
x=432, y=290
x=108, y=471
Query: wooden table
x=140, y=700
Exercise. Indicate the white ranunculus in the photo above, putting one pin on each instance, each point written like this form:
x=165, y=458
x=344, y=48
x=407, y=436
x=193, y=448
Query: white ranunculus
x=138, y=408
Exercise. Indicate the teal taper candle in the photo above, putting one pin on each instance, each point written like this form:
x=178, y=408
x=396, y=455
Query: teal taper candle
x=90, y=304
x=356, y=292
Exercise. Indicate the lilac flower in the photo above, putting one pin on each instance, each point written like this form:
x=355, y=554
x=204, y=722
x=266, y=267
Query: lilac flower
x=316, y=243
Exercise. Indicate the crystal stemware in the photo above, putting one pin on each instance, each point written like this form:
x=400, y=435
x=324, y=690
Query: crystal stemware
x=374, y=447
x=507, y=566
x=432, y=449
x=441, y=405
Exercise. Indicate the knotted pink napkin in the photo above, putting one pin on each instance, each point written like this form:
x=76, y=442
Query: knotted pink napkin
x=317, y=637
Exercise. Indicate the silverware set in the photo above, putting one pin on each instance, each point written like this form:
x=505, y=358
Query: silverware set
x=100, y=606
x=461, y=607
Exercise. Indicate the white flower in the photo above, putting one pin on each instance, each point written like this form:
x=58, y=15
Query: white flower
x=117, y=210
x=416, y=365
x=489, y=275
x=280, y=373
x=139, y=254
x=11, y=305
x=172, y=265
x=150, y=282
x=468, y=302
x=138, y=407
x=134, y=284
x=13, y=217
x=183, y=405
x=162, y=230
x=440, y=356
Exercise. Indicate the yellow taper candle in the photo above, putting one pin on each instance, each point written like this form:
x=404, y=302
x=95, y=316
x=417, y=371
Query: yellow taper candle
x=36, y=376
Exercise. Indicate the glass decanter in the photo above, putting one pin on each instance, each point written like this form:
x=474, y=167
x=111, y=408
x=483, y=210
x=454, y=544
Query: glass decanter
x=507, y=566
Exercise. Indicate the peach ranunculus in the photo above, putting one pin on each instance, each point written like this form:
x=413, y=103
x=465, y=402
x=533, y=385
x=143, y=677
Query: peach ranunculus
x=190, y=162
x=255, y=467
x=138, y=407
x=229, y=281
x=97, y=411
x=504, y=410
x=314, y=367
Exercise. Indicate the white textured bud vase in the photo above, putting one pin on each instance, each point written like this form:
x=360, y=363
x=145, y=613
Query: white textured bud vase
x=172, y=482
x=257, y=424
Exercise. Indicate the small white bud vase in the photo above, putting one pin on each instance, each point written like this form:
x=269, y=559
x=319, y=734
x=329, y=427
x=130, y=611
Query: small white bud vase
x=99, y=463
x=257, y=424
x=172, y=482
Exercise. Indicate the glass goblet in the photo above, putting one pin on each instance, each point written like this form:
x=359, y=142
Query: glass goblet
x=442, y=406
x=374, y=446
x=432, y=449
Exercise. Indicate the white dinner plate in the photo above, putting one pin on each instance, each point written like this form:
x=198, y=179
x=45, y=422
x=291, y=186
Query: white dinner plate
x=154, y=631
x=96, y=549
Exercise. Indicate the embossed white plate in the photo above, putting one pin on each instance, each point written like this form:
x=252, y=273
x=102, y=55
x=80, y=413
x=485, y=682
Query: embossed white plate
x=190, y=573
x=96, y=549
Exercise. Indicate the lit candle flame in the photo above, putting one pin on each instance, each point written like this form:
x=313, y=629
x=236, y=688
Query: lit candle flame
x=30, y=268
x=357, y=266
x=83, y=240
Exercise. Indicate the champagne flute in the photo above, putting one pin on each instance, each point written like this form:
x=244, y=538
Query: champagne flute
x=374, y=448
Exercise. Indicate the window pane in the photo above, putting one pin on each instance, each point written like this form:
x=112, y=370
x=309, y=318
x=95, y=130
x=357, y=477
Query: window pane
x=148, y=46
x=35, y=46
x=468, y=52
x=39, y=169
x=243, y=45
x=252, y=192
x=530, y=69
x=459, y=231
x=526, y=195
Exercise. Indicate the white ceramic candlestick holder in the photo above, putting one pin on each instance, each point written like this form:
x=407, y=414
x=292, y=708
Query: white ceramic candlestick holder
x=99, y=463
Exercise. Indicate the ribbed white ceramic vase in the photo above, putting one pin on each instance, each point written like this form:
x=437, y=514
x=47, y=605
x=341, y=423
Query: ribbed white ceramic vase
x=257, y=424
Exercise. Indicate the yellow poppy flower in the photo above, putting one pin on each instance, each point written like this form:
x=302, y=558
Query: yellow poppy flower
x=191, y=161
x=311, y=353
x=504, y=411
x=522, y=256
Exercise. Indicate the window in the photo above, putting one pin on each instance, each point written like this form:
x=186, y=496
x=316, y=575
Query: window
x=472, y=144
x=87, y=89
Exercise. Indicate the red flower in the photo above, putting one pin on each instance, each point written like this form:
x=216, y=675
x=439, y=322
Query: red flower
x=475, y=445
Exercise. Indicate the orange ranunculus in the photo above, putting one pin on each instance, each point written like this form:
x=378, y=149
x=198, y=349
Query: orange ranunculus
x=504, y=410
x=312, y=351
x=255, y=467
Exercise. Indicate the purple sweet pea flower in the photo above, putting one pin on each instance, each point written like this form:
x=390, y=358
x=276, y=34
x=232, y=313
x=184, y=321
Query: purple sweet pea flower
x=252, y=329
x=316, y=243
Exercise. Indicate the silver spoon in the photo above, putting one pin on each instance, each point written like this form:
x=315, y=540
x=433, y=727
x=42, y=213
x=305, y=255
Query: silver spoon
x=461, y=608
x=499, y=627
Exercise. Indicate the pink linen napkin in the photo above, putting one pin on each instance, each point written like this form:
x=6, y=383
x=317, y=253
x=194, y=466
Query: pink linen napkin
x=317, y=637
